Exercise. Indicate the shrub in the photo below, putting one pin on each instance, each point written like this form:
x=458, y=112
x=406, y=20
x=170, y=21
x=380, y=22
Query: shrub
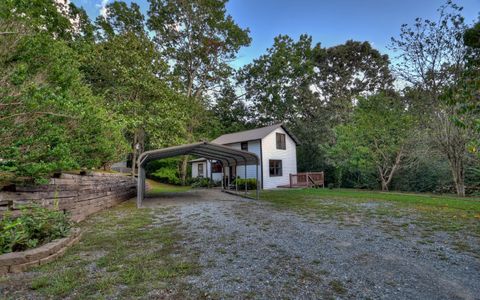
x=202, y=182
x=34, y=227
x=251, y=183
x=331, y=185
x=166, y=175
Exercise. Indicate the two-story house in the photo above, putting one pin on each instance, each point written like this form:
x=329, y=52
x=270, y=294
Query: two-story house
x=274, y=145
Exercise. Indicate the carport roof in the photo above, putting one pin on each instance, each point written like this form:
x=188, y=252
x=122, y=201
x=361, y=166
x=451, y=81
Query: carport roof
x=225, y=154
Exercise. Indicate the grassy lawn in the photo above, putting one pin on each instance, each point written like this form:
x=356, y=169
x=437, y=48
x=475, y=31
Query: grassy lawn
x=122, y=254
x=158, y=187
x=395, y=212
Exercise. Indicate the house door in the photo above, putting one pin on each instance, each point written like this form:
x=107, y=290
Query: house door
x=233, y=173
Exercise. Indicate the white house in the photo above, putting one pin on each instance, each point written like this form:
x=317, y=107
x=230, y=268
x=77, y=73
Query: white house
x=274, y=145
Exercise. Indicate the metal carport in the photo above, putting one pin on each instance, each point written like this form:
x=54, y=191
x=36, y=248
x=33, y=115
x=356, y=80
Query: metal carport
x=225, y=155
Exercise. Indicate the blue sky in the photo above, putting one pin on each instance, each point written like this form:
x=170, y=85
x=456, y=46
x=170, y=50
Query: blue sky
x=329, y=22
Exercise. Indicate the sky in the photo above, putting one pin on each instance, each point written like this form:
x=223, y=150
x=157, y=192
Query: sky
x=329, y=22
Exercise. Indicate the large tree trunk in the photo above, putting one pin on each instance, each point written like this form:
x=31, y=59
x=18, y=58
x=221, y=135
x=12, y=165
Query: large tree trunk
x=384, y=184
x=183, y=169
x=452, y=142
x=458, y=173
x=386, y=173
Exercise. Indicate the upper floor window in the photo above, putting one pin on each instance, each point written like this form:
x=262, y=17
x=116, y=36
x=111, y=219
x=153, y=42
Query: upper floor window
x=244, y=146
x=281, y=143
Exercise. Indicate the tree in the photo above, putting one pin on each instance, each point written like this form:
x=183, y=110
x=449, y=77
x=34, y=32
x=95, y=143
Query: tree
x=312, y=89
x=128, y=69
x=378, y=136
x=59, y=20
x=432, y=58
x=231, y=112
x=464, y=95
x=121, y=19
x=276, y=82
x=347, y=72
x=200, y=39
x=49, y=118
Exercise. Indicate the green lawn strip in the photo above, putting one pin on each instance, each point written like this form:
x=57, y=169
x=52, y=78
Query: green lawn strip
x=431, y=213
x=158, y=187
x=122, y=255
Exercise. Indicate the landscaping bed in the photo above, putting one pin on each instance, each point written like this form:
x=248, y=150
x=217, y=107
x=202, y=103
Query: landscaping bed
x=16, y=262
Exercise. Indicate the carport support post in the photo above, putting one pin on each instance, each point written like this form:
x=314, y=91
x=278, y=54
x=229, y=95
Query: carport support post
x=246, y=188
x=258, y=192
x=140, y=186
x=223, y=176
x=211, y=176
x=228, y=177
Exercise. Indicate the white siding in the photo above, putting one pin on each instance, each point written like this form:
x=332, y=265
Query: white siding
x=287, y=156
x=195, y=169
x=215, y=176
x=254, y=147
x=206, y=171
x=266, y=150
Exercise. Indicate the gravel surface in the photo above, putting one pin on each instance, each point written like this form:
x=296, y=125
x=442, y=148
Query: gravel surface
x=251, y=249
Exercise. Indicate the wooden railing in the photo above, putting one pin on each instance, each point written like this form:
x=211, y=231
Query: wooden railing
x=308, y=179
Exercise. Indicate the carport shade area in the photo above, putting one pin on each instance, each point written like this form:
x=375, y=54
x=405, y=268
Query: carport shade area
x=226, y=156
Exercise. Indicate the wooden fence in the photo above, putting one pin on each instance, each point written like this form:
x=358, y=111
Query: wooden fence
x=308, y=179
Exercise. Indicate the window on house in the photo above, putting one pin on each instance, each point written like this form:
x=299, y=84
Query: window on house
x=244, y=146
x=200, y=170
x=275, y=168
x=281, y=144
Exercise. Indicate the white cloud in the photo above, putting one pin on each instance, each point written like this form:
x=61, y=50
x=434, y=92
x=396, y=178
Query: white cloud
x=103, y=8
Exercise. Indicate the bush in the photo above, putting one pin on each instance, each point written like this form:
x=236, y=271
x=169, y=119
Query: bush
x=35, y=226
x=166, y=175
x=331, y=185
x=251, y=183
x=202, y=182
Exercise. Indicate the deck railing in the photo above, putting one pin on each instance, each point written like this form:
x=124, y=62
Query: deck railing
x=307, y=179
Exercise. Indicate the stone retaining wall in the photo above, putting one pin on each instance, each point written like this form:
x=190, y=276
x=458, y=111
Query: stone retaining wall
x=81, y=195
x=16, y=262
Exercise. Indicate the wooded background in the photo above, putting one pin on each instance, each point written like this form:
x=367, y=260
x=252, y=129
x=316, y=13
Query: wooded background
x=78, y=93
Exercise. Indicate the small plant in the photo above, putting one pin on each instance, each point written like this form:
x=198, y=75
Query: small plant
x=202, y=182
x=251, y=183
x=34, y=226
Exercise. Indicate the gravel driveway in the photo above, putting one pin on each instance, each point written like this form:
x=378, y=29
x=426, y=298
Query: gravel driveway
x=250, y=249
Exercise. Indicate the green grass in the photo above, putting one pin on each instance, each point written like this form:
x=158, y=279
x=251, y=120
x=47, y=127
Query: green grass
x=394, y=211
x=304, y=197
x=158, y=187
x=122, y=254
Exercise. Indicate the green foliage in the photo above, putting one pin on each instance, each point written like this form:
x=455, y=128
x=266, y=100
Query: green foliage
x=166, y=175
x=121, y=19
x=375, y=140
x=33, y=227
x=202, y=182
x=50, y=119
x=200, y=37
x=251, y=183
x=464, y=95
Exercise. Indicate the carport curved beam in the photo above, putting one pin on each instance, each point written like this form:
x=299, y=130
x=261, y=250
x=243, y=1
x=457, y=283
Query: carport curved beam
x=227, y=155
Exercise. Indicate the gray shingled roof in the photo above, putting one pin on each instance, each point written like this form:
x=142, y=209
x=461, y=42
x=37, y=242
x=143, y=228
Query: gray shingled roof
x=249, y=135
